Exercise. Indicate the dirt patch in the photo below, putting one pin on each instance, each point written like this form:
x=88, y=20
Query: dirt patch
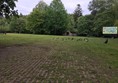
x=36, y=64
x=18, y=62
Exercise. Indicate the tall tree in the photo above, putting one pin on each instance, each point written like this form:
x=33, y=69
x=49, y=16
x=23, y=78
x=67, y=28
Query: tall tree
x=2, y=24
x=115, y=10
x=36, y=21
x=105, y=14
x=71, y=23
x=18, y=25
x=77, y=12
x=7, y=8
x=58, y=18
x=101, y=20
x=85, y=25
x=102, y=5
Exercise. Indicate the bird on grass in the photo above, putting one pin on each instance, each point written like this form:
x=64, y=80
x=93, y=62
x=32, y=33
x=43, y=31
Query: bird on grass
x=86, y=40
x=72, y=38
x=106, y=41
x=62, y=39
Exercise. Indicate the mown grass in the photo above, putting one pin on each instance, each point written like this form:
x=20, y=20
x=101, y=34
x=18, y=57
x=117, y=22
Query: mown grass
x=95, y=57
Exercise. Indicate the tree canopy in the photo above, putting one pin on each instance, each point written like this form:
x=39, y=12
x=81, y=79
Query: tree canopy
x=85, y=25
x=7, y=8
x=17, y=25
x=36, y=20
x=58, y=18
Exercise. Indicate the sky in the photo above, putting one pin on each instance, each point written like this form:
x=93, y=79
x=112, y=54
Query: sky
x=26, y=6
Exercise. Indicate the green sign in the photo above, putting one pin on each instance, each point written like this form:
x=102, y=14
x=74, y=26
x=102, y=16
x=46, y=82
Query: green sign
x=110, y=30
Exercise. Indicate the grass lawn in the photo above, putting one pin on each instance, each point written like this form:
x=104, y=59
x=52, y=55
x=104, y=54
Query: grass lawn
x=26, y=58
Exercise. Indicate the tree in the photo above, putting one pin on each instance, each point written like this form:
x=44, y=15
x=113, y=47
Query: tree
x=100, y=5
x=85, y=25
x=36, y=21
x=77, y=12
x=116, y=23
x=105, y=14
x=115, y=10
x=18, y=25
x=7, y=8
x=103, y=20
x=4, y=25
x=71, y=23
x=41, y=6
x=58, y=18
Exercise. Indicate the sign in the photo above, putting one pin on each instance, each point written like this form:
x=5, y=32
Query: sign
x=110, y=30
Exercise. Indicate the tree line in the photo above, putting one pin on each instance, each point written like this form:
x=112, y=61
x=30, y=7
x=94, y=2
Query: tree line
x=53, y=19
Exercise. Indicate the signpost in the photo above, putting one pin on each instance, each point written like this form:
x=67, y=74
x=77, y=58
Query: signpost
x=110, y=31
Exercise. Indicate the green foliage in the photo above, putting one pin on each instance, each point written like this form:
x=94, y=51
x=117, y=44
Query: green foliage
x=54, y=19
x=7, y=8
x=3, y=25
x=116, y=23
x=115, y=9
x=18, y=25
x=100, y=5
x=104, y=19
x=58, y=18
x=71, y=23
x=48, y=20
x=85, y=25
x=82, y=25
x=91, y=25
x=36, y=21
x=77, y=12
x=41, y=6
x=105, y=14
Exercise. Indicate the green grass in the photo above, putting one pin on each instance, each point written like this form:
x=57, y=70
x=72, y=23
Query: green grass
x=69, y=60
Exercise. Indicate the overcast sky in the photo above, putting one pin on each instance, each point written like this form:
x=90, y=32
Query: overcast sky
x=26, y=6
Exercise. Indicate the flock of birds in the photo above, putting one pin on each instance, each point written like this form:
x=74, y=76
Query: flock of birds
x=79, y=39
x=76, y=39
